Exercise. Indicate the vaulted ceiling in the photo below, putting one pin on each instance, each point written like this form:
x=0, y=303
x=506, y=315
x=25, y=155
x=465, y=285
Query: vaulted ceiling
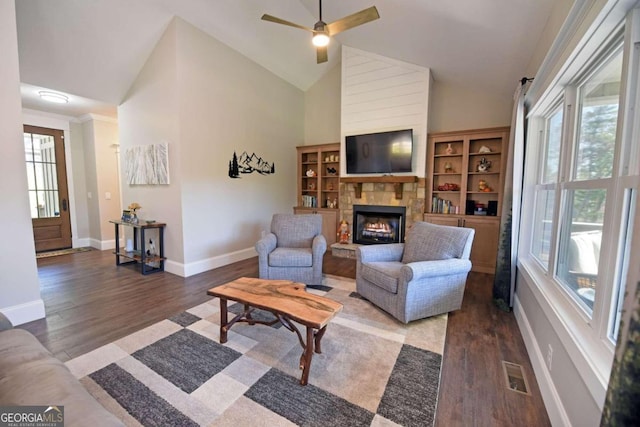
x=94, y=49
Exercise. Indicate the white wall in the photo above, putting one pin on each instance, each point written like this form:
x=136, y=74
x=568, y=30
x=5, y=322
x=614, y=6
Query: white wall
x=19, y=287
x=105, y=134
x=149, y=114
x=229, y=103
x=216, y=101
x=80, y=212
x=557, y=17
x=456, y=107
x=322, y=109
x=102, y=187
x=91, y=184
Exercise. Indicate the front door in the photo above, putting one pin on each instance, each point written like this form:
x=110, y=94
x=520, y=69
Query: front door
x=48, y=193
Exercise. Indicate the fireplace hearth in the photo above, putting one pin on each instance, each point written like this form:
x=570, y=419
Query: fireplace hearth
x=378, y=224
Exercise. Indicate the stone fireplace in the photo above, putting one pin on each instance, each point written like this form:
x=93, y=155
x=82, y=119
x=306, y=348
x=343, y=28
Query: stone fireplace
x=378, y=224
x=383, y=194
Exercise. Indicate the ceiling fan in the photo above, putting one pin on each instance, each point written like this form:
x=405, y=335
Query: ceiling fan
x=322, y=31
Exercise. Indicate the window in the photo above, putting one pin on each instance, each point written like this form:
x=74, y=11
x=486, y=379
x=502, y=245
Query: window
x=42, y=175
x=585, y=194
x=545, y=190
x=580, y=185
x=580, y=194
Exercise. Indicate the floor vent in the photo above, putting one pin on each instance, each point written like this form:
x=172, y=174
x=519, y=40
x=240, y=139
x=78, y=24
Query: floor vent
x=515, y=378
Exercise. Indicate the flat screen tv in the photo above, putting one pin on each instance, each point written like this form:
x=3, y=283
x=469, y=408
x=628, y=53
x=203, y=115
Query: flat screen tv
x=382, y=152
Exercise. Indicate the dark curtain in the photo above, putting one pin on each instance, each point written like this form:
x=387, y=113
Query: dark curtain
x=622, y=405
x=505, y=275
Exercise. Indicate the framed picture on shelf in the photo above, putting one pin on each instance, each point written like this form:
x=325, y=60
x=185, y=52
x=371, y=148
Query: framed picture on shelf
x=126, y=215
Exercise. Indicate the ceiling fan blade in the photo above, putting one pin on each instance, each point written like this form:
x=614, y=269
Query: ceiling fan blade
x=358, y=18
x=322, y=55
x=270, y=18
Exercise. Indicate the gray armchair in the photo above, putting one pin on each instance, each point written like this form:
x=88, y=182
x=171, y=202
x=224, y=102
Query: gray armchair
x=293, y=250
x=423, y=277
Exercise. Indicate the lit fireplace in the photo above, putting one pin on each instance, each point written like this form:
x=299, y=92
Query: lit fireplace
x=378, y=224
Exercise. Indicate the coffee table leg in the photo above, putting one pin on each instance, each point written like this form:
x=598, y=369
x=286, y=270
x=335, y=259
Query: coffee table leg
x=306, y=356
x=223, y=320
x=318, y=336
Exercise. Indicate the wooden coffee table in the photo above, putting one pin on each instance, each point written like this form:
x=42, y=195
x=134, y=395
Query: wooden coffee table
x=288, y=301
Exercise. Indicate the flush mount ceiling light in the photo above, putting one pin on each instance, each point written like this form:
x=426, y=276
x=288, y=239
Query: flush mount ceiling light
x=58, y=98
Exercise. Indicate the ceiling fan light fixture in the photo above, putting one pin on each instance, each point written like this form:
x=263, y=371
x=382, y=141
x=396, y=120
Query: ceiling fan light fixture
x=320, y=39
x=58, y=98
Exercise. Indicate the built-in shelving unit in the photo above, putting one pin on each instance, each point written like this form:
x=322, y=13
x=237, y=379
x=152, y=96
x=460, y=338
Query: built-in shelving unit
x=319, y=185
x=463, y=194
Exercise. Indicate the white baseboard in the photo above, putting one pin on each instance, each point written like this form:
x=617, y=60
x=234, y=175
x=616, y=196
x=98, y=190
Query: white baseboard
x=186, y=270
x=24, y=313
x=555, y=409
x=102, y=245
x=80, y=243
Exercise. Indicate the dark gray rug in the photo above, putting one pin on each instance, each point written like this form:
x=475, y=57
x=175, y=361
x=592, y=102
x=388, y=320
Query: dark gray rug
x=306, y=406
x=143, y=404
x=373, y=370
x=414, y=380
x=186, y=358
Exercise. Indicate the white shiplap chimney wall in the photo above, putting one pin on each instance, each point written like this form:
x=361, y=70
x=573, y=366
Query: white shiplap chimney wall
x=381, y=94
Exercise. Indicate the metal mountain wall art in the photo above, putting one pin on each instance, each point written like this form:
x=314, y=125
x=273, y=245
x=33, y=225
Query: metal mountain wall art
x=249, y=164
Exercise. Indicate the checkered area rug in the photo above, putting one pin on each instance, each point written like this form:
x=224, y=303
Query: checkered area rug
x=373, y=370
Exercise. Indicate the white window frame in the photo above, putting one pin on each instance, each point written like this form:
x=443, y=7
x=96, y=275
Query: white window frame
x=586, y=338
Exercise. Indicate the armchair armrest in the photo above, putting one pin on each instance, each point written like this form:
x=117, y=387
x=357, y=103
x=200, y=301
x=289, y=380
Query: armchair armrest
x=439, y=268
x=319, y=245
x=5, y=323
x=266, y=245
x=377, y=253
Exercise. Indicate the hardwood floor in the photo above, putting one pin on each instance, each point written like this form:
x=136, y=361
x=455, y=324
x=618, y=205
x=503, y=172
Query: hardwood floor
x=90, y=302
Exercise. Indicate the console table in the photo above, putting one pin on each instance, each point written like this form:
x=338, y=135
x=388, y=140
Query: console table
x=149, y=262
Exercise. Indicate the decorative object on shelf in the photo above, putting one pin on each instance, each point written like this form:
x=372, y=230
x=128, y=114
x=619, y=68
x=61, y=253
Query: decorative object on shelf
x=481, y=209
x=449, y=186
x=332, y=204
x=484, y=165
x=151, y=248
x=330, y=186
x=331, y=171
x=133, y=207
x=249, y=164
x=147, y=164
x=482, y=186
x=448, y=168
x=311, y=185
x=449, y=149
x=311, y=173
x=126, y=215
x=484, y=149
x=343, y=232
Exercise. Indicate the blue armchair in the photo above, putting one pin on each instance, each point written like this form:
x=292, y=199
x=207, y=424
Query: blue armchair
x=422, y=277
x=293, y=250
